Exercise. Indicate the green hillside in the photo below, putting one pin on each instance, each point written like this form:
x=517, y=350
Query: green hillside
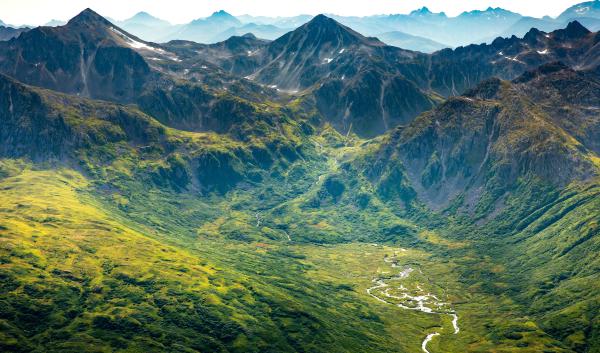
x=200, y=211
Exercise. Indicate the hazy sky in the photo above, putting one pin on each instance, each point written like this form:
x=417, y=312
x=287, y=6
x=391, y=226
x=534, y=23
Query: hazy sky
x=36, y=12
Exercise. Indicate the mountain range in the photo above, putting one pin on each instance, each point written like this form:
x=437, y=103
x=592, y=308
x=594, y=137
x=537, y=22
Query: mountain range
x=321, y=191
x=421, y=30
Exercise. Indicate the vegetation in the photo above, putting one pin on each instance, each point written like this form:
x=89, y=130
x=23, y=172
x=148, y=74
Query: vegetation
x=228, y=220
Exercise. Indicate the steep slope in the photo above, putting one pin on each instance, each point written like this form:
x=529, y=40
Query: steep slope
x=453, y=71
x=45, y=126
x=357, y=83
x=89, y=57
x=231, y=55
x=7, y=33
x=473, y=150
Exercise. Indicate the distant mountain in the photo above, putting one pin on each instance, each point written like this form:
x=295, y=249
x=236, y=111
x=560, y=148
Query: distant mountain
x=259, y=30
x=147, y=26
x=454, y=71
x=453, y=31
x=521, y=27
x=410, y=42
x=204, y=30
x=282, y=22
x=55, y=23
x=589, y=9
x=7, y=33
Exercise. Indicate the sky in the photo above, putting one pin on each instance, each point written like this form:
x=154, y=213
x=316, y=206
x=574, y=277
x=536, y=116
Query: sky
x=36, y=12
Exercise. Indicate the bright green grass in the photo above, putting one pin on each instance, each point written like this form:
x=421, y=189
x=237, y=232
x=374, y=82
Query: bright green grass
x=107, y=274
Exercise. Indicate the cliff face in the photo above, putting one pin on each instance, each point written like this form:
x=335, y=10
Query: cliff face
x=474, y=149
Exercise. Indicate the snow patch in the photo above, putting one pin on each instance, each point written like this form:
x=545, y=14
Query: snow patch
x=543, y=52
x=143, y=46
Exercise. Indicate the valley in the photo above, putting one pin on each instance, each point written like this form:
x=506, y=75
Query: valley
x=319, y=192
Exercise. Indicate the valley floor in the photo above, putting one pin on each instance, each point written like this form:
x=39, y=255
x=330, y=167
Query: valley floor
x=76, y=274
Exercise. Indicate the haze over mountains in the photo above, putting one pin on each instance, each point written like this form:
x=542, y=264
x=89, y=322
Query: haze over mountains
x=420, y=30
x=317, y=191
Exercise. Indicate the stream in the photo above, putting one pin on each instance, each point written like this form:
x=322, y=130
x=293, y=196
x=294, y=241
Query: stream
x=415, y=299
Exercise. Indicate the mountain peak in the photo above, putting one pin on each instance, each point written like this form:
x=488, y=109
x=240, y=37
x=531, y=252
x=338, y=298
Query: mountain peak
x=532, y=35
x=88, y=17
x=576, y=30
x=321, y=19
x=221, y=14
x=143, y=15
x=422, y=11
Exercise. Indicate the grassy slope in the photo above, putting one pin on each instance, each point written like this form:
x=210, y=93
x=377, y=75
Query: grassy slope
x=121, y=259
x=92, y=281
x=98, y=278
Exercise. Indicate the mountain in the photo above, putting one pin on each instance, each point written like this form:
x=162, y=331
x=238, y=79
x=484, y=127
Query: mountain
x=410, y=42
x=105, y=62
x=269, y=32
x=88, y=56
x=589, y=9
x=337, y=70
x=166, y=197
x=55, y=23
x=203, y=30
x=7, y=33
x=525, y=24
x=486, y=22
x=147, y=26
x=361, y=75
x=230, y=55
x=281, y=22
x=453, y=31
x=374, y=86
x=473, y=150
x=453, y=71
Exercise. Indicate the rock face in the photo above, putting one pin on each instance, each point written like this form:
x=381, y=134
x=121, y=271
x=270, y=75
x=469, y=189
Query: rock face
x=361, y=84
x=88, y=57
x=47, y=126
x=42, y=124
x=475, y=148
x=356, y=82
x=453, y=71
